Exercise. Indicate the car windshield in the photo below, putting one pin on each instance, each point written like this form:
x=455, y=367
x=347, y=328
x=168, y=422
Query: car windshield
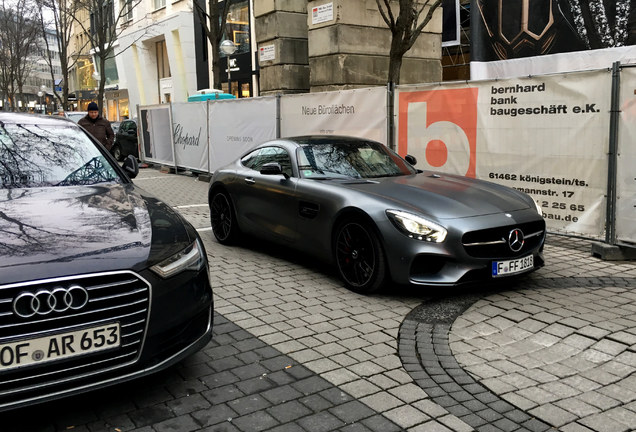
x=350, y=159
x=50, y=155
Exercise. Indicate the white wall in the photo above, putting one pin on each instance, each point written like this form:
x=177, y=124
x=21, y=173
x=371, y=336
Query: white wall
x=136, y=56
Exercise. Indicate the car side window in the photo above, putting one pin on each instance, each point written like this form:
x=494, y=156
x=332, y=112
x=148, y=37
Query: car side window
x=256, y=159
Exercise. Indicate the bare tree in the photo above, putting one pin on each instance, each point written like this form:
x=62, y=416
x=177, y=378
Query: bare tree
x=104, y=31
x=61, y=13
x=213, y=21
x=406, y=25
x=18, y=41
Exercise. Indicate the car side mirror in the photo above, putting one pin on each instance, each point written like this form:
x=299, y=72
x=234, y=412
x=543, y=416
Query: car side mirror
x=131, y=167
x=410, y=159
x=273, y=168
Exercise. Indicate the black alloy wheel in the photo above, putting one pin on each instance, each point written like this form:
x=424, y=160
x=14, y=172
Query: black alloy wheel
x=223, y=219
x=360, y=257
x=116, y=151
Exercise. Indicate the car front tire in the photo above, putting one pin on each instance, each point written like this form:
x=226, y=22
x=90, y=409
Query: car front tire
x=359, y=256
x=116, y=151
x=223, y=219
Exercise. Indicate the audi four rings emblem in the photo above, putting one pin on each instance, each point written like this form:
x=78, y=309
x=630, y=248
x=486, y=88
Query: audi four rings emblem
x=45, y=302
x=516, y=240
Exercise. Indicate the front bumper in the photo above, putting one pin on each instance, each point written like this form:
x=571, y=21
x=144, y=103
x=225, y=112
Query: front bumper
x=178, y=322
x=414, y=262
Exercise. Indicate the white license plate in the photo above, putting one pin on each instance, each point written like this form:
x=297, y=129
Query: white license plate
x=510, y=267
x=59, y=346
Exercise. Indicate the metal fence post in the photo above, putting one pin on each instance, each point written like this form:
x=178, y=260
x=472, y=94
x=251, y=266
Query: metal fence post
x=390, y=109
x=610, y=217
x=278, y=96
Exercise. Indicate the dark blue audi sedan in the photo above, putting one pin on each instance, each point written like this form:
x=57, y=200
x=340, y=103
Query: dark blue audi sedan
x=100, y=282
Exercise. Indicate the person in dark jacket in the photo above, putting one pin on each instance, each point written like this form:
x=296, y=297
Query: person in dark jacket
x=98, y=126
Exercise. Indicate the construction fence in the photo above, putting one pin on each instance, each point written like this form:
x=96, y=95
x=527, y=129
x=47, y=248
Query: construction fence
x=568, y=140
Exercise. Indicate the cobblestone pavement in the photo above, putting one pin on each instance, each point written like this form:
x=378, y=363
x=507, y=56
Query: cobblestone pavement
x=295, y=351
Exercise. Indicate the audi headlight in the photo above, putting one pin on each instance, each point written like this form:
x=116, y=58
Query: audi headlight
x=191, y=258
x=417, y=227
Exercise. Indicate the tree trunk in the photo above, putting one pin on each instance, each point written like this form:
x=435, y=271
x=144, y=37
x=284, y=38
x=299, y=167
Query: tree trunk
x=102, y=84
x=395, y=61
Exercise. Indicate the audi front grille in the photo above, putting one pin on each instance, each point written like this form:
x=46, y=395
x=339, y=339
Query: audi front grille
x=493, y=243
x=60, y=307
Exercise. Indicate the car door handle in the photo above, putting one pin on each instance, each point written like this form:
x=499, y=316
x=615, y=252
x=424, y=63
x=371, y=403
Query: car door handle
x=250, y=181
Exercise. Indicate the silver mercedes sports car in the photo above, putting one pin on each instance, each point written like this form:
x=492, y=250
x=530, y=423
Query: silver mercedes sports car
x=359, y=205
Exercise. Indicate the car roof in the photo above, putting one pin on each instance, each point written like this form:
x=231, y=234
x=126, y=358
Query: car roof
x=35, y=119
x=317, y=139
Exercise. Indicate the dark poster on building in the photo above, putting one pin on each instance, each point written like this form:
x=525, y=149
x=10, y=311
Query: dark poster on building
x=509, y=29
x=450, y=22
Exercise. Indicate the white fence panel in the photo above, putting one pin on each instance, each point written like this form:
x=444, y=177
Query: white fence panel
x=155, y=122
x=626, y=171
x=547, y=136
x=238, y=125
x=190, y=129
x=359, y=112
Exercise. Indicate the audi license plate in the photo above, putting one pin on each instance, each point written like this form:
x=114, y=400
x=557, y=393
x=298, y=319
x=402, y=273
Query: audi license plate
x=59, y=346
x=510, y=267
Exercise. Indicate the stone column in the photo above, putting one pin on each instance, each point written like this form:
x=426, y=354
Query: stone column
x=281, y=33
x=352, y=49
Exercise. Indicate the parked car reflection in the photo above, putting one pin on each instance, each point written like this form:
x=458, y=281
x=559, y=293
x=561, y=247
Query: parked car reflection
x=76, y=115
x=126, y=140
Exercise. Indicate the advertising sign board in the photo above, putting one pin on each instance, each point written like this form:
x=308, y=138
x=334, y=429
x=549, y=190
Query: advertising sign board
x=546, y=136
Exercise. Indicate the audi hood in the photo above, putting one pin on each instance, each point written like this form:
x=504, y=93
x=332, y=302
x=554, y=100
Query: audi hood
x=450, y=196
x=56, y=231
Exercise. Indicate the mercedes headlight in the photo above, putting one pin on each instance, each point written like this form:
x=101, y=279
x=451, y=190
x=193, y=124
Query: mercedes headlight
x=191, y=258
x=417, y=227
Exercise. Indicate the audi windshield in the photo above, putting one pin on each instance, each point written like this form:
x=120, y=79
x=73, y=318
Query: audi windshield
x=58, y=154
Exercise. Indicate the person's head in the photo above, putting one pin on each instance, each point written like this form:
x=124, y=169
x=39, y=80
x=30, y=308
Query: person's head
x=93, y=110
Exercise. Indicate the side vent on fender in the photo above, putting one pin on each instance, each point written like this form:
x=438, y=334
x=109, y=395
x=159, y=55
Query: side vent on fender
x=308, y=210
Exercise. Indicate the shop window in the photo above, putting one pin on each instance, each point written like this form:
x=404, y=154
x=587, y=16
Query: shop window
x=163, y=65
x=245, y=90
x=237, y=27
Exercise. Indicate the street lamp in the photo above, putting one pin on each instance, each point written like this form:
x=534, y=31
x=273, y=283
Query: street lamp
x=228, y=48
x=41, y=93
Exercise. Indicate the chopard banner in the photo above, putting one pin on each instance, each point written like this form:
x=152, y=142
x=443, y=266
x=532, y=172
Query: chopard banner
x=189, y=126
x=359, y=112
x=238, y=125
x=156, y=136
x=626, y=175
x=547, y=136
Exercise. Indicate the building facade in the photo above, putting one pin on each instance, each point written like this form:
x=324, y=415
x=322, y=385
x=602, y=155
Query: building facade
x=82, y=85
x=162, y=53
x=39, y=86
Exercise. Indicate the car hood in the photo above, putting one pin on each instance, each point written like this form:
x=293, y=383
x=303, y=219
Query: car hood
x=59, y=231
x=444, y=196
